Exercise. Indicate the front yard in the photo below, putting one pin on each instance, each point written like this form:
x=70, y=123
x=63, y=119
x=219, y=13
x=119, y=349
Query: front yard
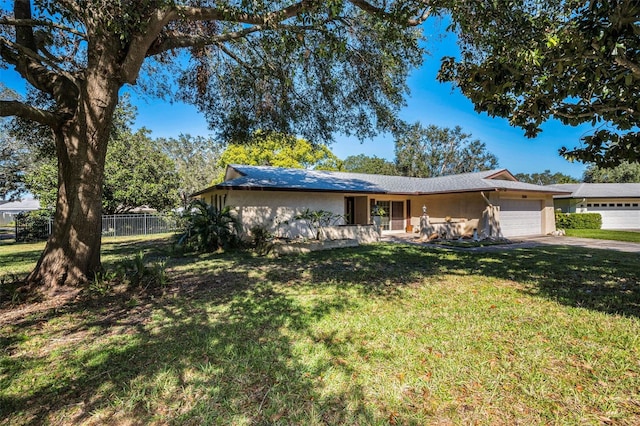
x=605, y=234
x=380, y=334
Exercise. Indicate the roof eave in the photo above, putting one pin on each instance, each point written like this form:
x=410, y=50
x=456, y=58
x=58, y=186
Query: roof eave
x=339, y=191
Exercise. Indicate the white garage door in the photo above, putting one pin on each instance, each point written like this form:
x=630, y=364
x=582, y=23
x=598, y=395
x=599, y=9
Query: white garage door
x=618, y=215
x=520, y=217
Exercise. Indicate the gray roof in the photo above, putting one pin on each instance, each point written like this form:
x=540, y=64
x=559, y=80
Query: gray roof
x=20, y=206
x=599, y=190
x=284, y=179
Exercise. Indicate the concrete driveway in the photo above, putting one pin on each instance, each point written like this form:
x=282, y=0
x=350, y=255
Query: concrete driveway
x=524, y=242
x=584, y=242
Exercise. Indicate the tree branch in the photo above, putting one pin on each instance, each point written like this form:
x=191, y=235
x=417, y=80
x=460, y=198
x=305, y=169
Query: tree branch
x=40, y=77
x=19, y=109
x=71, y=5
x=188, y=13
x=180, y=41
x=139, y=46
x=235, y=57
x=589, y=113
x=38, y=23
x=380, y=12
x=24, y=35
x=38, y=59
x=624, y=62
x=148, y=43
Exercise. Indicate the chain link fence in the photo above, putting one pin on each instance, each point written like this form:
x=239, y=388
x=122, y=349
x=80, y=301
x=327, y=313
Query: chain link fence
x=36, y=226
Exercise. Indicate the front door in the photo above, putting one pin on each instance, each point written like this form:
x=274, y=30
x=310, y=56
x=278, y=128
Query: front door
x=350, y=210
x=397, y=215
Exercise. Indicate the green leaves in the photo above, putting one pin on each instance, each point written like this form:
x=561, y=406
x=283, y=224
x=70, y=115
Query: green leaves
x=332, y=68
x=137, y=172
x=439, y=151
x=208, y=228
x=624, y=173
x=278, y=150
x=570, y=60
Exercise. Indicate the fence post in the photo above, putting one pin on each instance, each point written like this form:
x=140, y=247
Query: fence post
x=145, y=223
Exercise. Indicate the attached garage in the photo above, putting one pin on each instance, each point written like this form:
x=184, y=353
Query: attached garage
x=617, y=203
x=520, y=217
x=617, y=215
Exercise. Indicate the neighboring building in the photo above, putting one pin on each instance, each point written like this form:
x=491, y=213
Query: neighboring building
x=617, y=203
x=269, y=196
x=9, y=209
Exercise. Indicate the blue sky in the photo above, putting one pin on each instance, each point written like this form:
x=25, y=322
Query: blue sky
x=429, y=102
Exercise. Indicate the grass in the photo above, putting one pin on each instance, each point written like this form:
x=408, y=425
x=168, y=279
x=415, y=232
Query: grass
x=19, y=259
x=380, y=334
x=605, y=234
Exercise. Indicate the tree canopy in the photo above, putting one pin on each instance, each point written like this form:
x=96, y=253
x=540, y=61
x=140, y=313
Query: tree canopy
x=624, y=173
x=545, y=178
x=13, y=162
x=299, y=67
x=574, y=60
x=196, y=159
x=439, y=151
x=365, y=164
x=137, y=172
x=278, y=150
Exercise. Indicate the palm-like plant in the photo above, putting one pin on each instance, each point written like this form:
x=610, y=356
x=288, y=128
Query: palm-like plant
x=317, y=220
x=209, y=228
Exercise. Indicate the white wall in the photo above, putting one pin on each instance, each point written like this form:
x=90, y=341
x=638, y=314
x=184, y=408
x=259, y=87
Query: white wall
x=269, y=208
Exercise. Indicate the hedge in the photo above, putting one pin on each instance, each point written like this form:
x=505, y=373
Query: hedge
x=33, y=225
x=578, y=220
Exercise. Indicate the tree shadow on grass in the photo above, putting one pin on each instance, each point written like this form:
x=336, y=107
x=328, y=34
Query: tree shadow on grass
x=600, y=280
x=226, y=344
x=224, y=357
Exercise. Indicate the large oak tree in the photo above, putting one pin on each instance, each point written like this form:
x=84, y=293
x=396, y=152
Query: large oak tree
x=303, y=67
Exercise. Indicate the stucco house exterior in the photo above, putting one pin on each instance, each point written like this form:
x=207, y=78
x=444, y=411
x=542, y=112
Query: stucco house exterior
x=617, y=203
x=272, y=196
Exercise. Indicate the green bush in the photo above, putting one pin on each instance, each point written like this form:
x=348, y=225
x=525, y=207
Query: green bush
x=262, y=240
x=209, y=229
x=140, y=274
x=578, y=220
x=33, y=225
x=317, y=220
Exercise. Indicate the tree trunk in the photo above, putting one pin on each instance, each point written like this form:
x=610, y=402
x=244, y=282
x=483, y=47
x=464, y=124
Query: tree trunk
x=72, y=253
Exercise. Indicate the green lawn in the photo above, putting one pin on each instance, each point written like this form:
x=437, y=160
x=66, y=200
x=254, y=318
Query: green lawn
x=381, y=334
x=604, y=234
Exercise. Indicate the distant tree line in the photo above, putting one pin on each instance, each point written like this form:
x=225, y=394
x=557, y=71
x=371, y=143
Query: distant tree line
x=164, y=172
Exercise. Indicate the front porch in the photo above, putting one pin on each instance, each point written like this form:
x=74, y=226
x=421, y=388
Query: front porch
x=449, y=215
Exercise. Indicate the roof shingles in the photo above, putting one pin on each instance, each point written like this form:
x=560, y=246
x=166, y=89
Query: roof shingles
x=283, y=179
x=599, y=190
